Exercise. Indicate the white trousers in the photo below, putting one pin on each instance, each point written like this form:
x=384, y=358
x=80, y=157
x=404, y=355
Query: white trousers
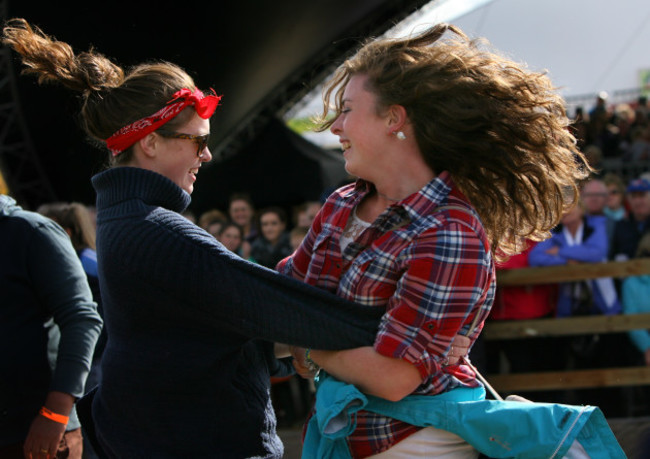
x=430, y=442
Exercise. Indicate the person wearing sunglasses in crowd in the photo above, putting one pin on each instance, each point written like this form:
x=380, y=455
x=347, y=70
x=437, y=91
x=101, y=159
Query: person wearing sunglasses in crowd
x=190, y=325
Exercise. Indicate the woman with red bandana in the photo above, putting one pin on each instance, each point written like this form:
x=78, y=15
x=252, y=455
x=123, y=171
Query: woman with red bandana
x=459, y=154
x=187, y=365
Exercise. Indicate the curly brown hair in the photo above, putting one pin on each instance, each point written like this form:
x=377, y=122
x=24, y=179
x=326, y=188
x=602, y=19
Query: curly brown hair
x=499, y=129
x=112, y=98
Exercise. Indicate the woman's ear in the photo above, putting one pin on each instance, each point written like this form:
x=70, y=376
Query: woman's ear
x=149, y=145
x=397, y=117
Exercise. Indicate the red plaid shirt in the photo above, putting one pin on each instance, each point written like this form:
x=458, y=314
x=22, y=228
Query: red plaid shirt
x=430, y=268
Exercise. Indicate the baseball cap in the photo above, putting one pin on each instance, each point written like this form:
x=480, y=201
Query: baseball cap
x=638, y=185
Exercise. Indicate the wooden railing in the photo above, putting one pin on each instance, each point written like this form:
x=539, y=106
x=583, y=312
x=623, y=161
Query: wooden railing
x=522, y=329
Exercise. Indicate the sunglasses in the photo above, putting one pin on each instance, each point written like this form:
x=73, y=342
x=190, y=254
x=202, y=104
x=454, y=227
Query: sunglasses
x=200, y=140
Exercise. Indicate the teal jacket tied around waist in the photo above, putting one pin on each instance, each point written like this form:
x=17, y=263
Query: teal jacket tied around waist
x=499, y=429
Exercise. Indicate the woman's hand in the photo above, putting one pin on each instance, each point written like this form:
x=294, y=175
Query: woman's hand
x=458, y=350
x=45, y=434
x=43, y=438
x=553, y=250
x=303, y=368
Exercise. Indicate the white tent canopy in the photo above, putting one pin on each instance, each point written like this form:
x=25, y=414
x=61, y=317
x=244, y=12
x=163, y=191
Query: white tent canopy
x=587, y=46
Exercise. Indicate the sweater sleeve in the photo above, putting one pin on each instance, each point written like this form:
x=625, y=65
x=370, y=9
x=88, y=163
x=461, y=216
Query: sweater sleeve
x=224, y=291
x=271, y=306
x=63, y=289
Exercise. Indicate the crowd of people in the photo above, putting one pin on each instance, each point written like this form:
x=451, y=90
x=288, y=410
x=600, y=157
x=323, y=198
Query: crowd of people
x=261, y=235
x=614, y=130
x=610, y=223
x=387, y=286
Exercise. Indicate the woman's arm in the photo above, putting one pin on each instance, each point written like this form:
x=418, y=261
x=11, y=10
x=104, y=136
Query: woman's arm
x=367, y=370
x=445, y=284
x=545, y=253
x=591, y=250
x=219, y=291
x=62, y=287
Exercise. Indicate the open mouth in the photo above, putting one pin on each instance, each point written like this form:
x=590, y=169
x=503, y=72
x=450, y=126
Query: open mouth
x=345, y=145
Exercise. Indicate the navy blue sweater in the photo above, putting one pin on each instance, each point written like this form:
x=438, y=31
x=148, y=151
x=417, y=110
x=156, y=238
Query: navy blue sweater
x=186, y=367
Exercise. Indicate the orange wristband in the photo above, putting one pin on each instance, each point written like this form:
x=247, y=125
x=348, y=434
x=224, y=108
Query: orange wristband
x=53, y=416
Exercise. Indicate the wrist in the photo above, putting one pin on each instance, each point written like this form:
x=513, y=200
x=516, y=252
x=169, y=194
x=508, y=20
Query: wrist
x=51, y=415
x=313, y=366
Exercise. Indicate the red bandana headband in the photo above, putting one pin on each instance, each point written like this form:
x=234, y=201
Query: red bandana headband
x=131, y=133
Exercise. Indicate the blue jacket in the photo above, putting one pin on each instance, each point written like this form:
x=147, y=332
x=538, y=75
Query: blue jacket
x=593, y=249
x=498, y=429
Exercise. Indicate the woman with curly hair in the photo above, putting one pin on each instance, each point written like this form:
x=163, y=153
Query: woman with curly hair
x=461, y=156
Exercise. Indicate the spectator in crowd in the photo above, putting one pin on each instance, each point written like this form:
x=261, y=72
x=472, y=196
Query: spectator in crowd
x=78, y=222
x=212, y=221
x=628, y=231
x=639, y=148
x=231, y=236
x=581, y=240
x=611, y=134
x=603, y=131
x=594, y=196
x=578, y=240
x=580, y=127
x=641, y=111
x=75, y=219
x=615, y=208
x=272, y=245
x=305, y=213
x=523, y=303
x=636, y=300
x=600, y=108
x=49, y=325
x=623, y=118
x=594, y=155
x=296, y=236
x=241, y=210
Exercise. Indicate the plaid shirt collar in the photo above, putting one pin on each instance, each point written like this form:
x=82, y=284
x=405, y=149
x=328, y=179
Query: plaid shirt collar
x=414, y=206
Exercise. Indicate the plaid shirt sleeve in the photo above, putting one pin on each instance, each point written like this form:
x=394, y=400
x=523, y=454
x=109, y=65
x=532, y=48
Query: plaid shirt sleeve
x=446, y=282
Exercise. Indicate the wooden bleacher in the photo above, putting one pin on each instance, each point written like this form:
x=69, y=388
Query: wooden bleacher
x=559, y=380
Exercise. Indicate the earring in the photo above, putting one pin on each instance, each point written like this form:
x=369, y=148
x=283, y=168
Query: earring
x=400, y=135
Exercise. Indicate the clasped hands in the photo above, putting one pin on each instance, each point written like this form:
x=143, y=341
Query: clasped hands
x=459, y=349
